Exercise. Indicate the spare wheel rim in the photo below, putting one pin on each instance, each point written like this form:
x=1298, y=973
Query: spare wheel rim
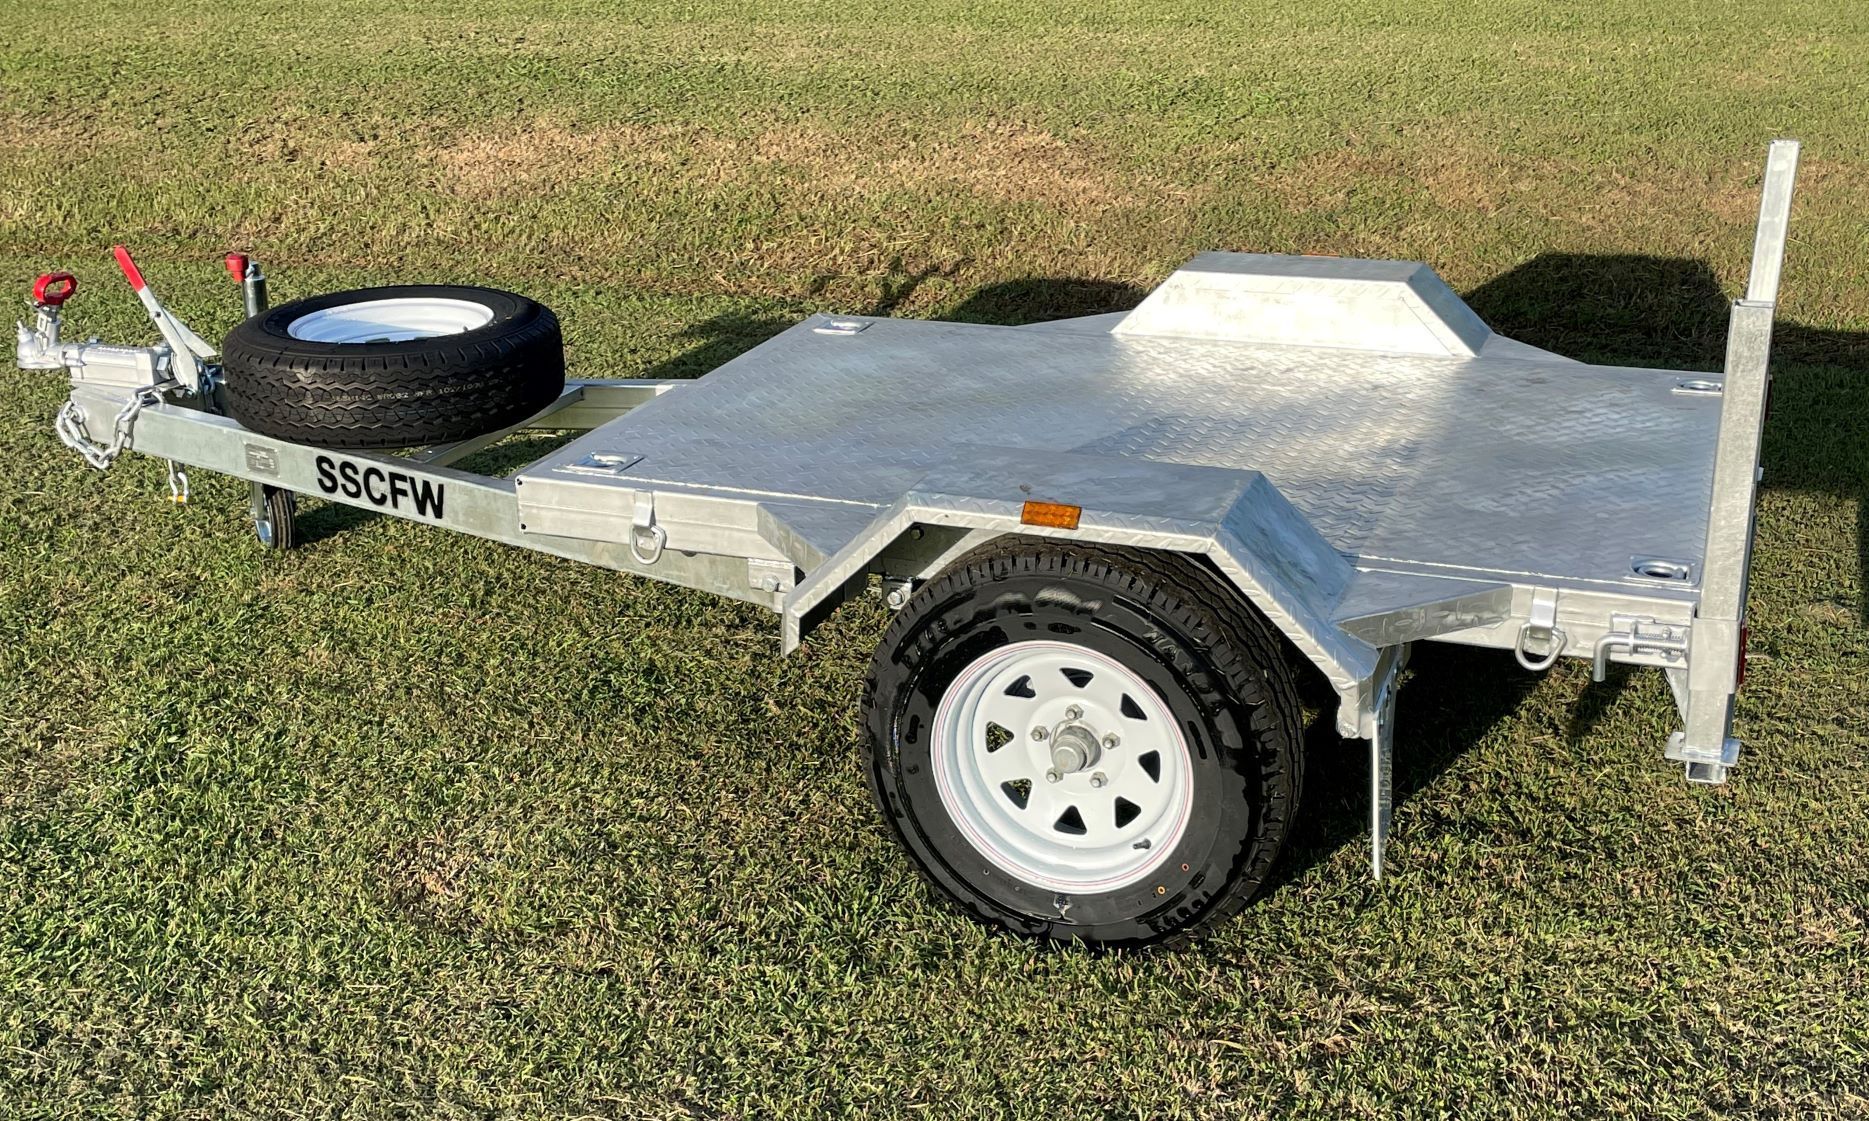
x=402, y=319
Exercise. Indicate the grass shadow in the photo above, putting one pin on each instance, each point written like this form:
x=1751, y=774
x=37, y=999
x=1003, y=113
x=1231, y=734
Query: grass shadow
x=722, y=338
x=326, y=519
x=1453, y=696
x=1016, y=303
x=717, y=340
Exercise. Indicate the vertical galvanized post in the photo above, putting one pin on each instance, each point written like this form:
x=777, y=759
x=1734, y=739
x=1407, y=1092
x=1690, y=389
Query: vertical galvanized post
x=253, y=295
x=1377, y=722
x=253, y=289
x=1706, y=744
x=1381, y=781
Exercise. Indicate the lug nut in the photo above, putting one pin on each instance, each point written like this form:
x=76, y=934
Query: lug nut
x=1073, y=713
x=1040, y=734
x=1054, y=775
x=1110, y=740
x=1099, y=781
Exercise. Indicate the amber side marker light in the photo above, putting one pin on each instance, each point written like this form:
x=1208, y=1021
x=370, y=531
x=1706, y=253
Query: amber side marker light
x=1054, y=514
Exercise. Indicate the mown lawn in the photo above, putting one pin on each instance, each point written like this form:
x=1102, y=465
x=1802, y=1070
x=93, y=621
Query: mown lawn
x=402, y=823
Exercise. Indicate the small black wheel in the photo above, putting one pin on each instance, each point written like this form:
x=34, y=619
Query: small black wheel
x=393, y=367
x=274, y=516
x=1085, y=743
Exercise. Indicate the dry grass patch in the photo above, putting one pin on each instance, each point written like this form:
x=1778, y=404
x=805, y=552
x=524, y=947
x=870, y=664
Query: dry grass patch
x=1465, y=174
x=36, y=138
x=998, y=160
x=1462, y=175
x=501, y=164
x=1002, y=161
x=431, y=878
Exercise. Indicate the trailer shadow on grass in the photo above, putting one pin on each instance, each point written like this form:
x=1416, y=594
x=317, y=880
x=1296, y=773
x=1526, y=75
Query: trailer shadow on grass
x=1453, y=697
x=317, y=520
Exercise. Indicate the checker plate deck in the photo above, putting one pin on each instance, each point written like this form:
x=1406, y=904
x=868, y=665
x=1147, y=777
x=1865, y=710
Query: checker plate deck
x=1492, y=468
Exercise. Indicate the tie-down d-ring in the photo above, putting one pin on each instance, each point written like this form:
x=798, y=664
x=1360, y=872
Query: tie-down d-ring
x=1556, y=639
x=646, y=541
x=646, y=538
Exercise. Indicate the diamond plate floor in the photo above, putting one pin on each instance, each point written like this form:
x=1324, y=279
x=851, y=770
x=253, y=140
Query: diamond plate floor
x=1486, y=467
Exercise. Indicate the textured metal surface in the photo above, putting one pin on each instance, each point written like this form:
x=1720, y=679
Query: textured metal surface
x=1393, y=307
x=1235, y=518
x=1390, y=608
x=1477, y=468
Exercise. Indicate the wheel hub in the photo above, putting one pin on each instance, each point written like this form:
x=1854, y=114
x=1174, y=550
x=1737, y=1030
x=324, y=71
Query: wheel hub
x=1074, y=748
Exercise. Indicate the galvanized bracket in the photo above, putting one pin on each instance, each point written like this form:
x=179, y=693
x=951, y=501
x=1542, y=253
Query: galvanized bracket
x=770, y=575
x=612, y=464
x=1637, y=634
x=1705, y=743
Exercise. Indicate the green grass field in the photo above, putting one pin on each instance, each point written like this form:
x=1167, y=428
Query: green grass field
x=406, y=824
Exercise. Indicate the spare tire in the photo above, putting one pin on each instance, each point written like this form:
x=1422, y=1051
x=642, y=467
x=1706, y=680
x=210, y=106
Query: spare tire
x=393, y=367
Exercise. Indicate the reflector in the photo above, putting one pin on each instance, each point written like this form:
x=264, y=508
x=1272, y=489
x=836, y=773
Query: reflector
x=1054, y=514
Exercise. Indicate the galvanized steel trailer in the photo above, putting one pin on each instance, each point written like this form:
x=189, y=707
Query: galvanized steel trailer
x=1340, y=449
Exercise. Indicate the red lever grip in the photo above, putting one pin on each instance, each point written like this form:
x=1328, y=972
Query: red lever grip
x=54, y=288
x=130, y=272
x=236, y=265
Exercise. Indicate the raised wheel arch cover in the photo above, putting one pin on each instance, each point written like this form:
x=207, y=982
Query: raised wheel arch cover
x=396, y=366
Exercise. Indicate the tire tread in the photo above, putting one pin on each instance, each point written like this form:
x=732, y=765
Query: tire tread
x=417, y=395
x=1240, y=642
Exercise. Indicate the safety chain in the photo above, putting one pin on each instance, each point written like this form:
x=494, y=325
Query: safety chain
x=71, y=431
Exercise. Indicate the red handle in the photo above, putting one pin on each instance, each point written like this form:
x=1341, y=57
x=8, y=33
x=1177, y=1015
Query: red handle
x=54, y=288
x=236, y=265
x=130, y=272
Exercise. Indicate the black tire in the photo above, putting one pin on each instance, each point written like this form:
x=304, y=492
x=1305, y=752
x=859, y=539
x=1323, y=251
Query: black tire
x=1215, y=663
x=375, y=394
x=275, y=517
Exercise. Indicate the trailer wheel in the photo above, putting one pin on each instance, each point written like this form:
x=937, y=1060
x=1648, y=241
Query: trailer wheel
x=1097, y=745
x=275, y=514
x=393, y=367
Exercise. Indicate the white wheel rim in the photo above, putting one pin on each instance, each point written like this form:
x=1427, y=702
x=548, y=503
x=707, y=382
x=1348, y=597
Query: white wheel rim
x=390, y=321
x=1073, y=834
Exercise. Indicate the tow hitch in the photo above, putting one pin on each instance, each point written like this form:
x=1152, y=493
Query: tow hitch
x=180, y=364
